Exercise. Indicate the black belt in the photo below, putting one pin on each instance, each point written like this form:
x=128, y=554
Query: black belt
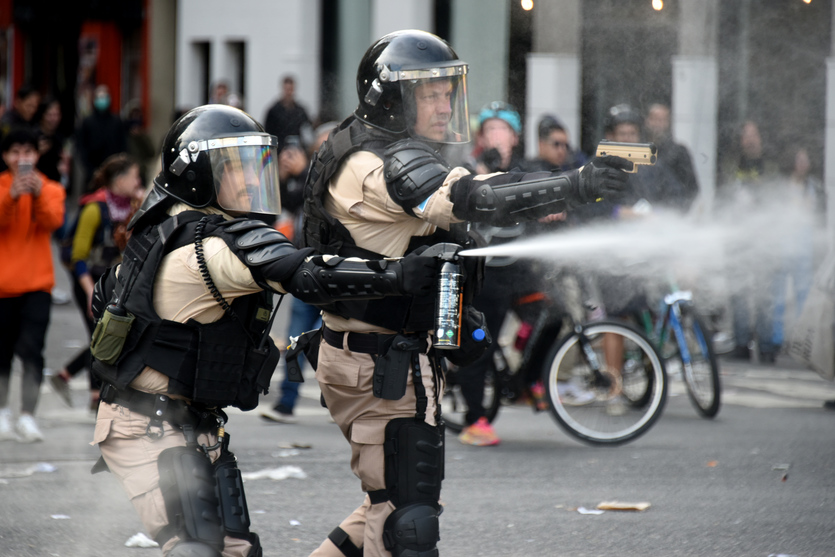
x=162, y=408
x=364, y=343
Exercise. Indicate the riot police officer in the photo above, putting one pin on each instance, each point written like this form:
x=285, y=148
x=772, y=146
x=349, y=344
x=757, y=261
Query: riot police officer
x=379, y=187
x=183, y=327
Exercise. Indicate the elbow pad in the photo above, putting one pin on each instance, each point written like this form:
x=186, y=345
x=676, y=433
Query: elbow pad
x=318, y=281
x=505, y=199
x=267, y=253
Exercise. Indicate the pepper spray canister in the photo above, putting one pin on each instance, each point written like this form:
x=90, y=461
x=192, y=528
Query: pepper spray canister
x=448, y=307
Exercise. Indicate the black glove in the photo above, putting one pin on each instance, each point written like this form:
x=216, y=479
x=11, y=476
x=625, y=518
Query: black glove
x=492, y=160
x=419, y=274
x=603, y=177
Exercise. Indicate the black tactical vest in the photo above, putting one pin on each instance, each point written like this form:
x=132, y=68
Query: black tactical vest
x=213, y=364
x=327, y=235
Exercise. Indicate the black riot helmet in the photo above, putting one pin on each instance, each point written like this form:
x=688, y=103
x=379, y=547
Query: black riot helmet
x=219, y=155
x=412, y=82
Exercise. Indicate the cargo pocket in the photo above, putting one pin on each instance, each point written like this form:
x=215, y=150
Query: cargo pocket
x=102, y=431
x=337, y=368
x=368, y=461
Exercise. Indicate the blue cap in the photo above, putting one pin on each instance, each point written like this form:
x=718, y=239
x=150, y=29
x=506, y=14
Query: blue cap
x=502, y=111
x=479, y=334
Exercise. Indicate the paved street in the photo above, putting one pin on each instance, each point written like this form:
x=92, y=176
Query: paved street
x=756, y=481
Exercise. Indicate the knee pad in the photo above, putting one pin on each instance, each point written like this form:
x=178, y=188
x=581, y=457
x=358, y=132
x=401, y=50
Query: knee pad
x=189, y=489
x=413, y=531
x=193, y=549
x=414, y=470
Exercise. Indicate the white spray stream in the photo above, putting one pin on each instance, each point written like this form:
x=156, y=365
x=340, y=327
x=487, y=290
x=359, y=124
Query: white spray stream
x=737, y=250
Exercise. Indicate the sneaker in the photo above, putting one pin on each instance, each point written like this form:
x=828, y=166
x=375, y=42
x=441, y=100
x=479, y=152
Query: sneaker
x=6, y=430
x=60, y=297
x=480, y=434
x=61, y=387
x=616, y=406
x=572, y=395
x=28, y=430
x=723, y=342
x=279, y=417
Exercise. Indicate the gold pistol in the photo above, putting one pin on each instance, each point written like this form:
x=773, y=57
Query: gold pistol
x=637, y=153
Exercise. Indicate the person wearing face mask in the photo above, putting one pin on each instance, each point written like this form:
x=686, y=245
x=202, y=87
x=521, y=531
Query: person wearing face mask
x=100, y=135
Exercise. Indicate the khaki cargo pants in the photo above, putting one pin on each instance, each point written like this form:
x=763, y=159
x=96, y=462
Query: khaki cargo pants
x=132, y=458
x=345, y=379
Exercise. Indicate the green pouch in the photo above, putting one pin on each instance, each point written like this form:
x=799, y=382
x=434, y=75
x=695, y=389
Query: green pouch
x=110, y=334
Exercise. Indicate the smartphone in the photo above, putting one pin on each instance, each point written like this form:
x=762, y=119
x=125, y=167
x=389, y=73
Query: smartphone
x=24, y=166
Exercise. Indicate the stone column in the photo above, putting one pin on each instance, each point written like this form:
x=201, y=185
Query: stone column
x=480, y=32
x=388, y=16
x=829, y=148
x=554, y=70
x=354, y=40
x=162, y=33
x=695, y=91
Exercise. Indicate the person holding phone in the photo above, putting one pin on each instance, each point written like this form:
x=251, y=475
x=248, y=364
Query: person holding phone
x=31, y=208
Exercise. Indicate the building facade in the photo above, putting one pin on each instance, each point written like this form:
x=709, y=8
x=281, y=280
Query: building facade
x=715, y=63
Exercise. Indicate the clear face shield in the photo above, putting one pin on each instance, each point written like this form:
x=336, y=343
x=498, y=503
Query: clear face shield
x=435, y=103
x=245, y=173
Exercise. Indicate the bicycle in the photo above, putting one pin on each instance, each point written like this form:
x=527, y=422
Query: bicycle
x=684, y=342
x=590, y=398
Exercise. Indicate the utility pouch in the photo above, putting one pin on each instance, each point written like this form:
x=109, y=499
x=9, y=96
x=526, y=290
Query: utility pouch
x=110, y=334
x=391, y=370
x=307, y=343
x=255, y=380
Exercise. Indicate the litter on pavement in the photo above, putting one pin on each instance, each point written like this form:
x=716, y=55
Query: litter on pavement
x=280, y=473
x=140, y=540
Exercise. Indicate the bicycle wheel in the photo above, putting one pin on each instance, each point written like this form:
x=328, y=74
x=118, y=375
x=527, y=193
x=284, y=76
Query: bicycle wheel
x=454, y=405
x=701, y=372
x=600, y=403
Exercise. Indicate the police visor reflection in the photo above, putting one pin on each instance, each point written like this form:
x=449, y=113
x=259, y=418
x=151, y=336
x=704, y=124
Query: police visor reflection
x=246, y=180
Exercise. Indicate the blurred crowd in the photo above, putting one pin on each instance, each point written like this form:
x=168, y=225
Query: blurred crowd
x=97, y=176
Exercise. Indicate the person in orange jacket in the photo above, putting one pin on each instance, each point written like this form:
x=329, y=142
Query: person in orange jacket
x=31, y=208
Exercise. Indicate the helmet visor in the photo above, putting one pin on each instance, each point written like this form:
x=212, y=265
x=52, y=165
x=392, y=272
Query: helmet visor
x=436, y=107
x=246, y=176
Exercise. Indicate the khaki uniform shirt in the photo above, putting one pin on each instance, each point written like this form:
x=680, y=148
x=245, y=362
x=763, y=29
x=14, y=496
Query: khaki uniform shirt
x=358, y=198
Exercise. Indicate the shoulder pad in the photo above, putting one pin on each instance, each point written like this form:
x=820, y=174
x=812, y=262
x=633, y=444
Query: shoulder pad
x=413, y=171
x=242, y=225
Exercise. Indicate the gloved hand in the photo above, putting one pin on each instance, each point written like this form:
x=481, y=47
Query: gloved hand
x=419, y=273
x=603, y=177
